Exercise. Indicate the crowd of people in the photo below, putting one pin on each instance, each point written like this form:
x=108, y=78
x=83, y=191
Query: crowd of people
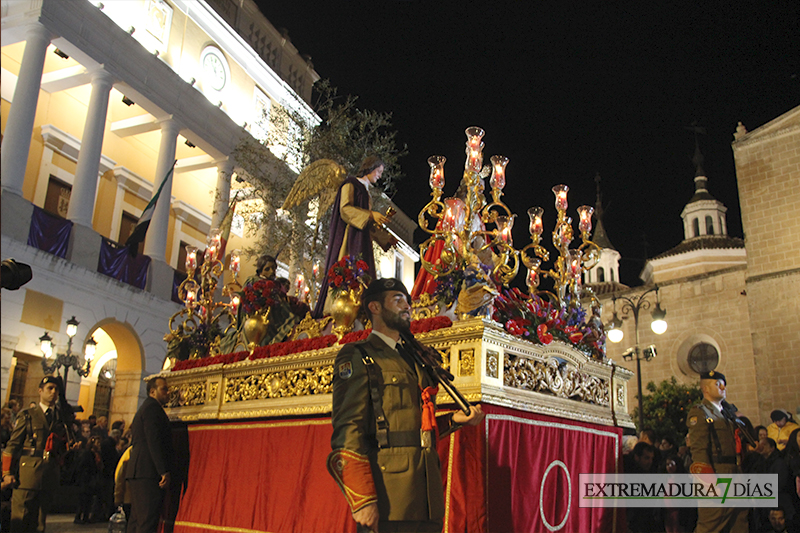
x=89, y=466
x=775, y=450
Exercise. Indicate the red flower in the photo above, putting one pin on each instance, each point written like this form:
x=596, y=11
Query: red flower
x=544, y=336
x=362, y=265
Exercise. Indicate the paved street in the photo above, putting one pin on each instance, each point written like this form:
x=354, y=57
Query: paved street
x=62, y=523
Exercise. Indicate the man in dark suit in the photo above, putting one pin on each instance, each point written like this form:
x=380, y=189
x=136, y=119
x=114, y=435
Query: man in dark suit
x=35, y=446
x=384, y=451
x=148, y=469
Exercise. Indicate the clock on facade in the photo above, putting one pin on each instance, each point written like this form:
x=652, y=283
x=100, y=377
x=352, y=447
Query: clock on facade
x=215, y=68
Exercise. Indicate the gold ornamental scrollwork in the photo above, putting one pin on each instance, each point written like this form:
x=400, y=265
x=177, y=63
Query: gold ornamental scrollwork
x=212, y=391
x=284, y=384
x=186, y=394
x=551, y=377
x=426, y=307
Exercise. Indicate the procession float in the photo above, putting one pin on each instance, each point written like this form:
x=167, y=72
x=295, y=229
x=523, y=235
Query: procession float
x=251, y=376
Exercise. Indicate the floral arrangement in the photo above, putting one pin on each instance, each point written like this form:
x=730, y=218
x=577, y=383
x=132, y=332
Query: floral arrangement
x=540, y=321
x=303, y=345
x=259, y=295
x=346, y=274
x=448, y=287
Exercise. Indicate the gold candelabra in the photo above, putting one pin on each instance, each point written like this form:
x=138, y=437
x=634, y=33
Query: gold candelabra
x=459, y=225
x=200, y=308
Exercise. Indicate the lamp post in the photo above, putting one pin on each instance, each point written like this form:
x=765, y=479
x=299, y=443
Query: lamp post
x=633, y=305
x=52, y=361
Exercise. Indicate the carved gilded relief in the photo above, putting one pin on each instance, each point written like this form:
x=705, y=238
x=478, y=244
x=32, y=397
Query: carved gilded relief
x=212, y=391
x=492, y=358
x=466, y=362
x=186, y=394
x=300, y=382
x=560, y=379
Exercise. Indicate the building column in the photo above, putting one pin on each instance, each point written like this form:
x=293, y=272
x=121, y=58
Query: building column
x=19, y=127
x=84, y=189
x=155, y=245
x=223, y=194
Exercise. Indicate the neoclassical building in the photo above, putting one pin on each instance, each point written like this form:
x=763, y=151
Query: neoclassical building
x=99, y=99
x=731, y=303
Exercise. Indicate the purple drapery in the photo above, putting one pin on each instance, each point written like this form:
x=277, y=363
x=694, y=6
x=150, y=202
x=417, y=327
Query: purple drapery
x=49, y=232
x=116, y=262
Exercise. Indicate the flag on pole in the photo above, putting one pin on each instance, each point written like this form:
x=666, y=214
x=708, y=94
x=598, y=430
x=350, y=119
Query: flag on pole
x=225, y=226
x=140, y=231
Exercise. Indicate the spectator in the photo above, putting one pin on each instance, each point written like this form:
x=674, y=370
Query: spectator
x=122, y=493
x=6, y=425
x=677, y=519
x=101, y=428
x=775, y=464
x=792, y=455
x=86, y=430
x=120, y=425
x=122, y=445
x=777, y=521
x=628, y=442
x=761, y=433
x=87, y=471
x=649, y=436
x=642, y=519
x=92, y=420
x=15, y=407
x=109, y=457
x=781, y=427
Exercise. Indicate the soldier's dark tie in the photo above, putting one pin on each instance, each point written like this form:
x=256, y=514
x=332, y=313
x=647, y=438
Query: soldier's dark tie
x=49, y=416
x=407, y=357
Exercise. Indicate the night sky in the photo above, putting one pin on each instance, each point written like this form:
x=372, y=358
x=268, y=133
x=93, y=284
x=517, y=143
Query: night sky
x=565, y=90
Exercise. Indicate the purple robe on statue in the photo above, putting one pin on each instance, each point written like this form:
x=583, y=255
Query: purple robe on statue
x=349, y=233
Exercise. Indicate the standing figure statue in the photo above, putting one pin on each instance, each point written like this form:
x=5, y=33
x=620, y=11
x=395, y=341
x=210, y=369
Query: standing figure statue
x=352, y=223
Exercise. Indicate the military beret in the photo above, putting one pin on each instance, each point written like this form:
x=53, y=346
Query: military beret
x=713, y=375
x=49, y=379
x=382, y=285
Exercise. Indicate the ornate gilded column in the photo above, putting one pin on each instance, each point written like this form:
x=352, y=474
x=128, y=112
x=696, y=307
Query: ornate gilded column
x=84, y=189
x=155, y=245
x=19, y=127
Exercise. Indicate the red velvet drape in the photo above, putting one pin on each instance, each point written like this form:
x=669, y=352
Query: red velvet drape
x=262, y=476
x=533, y=464
x=508, y=475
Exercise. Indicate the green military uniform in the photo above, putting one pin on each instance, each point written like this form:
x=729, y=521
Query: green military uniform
x=38, y=469
x=713, y=444
x=402, y=475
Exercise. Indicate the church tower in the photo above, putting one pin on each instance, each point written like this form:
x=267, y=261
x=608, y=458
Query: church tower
x=704, y=214
x=607, y=269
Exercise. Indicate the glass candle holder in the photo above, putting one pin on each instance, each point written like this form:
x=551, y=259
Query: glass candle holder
x=585, y=223
x=498, y=179
x=561, y=196
x=536, y=226
x=436, y=163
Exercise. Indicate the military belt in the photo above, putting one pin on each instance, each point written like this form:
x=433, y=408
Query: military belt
x=724, y=459
x=33, y=452
x=417, y=439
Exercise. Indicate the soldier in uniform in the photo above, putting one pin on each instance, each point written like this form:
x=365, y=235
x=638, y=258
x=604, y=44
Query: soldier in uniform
x=384, y=451
x=38, y=438
x=716, y=448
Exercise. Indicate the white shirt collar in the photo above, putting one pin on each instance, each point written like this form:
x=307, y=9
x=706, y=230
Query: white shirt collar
x=390, y=342
x=365, y=182
x=44, y=407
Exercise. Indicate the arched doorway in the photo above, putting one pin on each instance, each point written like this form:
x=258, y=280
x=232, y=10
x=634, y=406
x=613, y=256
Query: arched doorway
x=112, y=389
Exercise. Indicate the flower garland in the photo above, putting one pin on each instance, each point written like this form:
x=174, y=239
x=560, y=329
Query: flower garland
x=303, y=345
x=346, y=274
x=539, y=321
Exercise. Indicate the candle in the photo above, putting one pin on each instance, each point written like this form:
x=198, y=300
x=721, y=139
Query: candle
x=532, y=280
x=191, y=258
x=535, y=214
x=315, y=269
x=585, y=224
x=561, y=197
x=498, y=180
x=504, y=226
x=235, y=301
x=436, y=163
x=235, y=265
x=191, y=296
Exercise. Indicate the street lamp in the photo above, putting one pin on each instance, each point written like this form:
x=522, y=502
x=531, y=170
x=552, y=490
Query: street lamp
x=615, y=334
x=52, y=361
